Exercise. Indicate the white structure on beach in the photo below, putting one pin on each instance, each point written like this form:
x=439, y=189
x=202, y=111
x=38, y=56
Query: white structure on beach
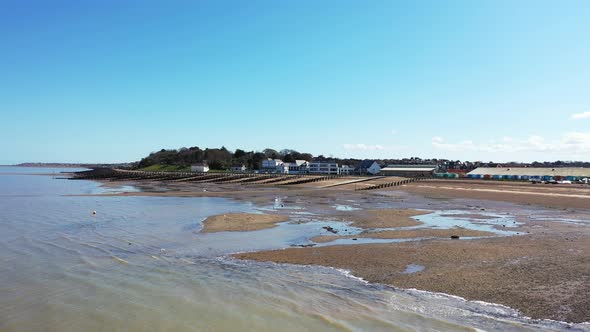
x=298, y=167
x=238, y=168
x=528, y=173
x=278, y=166
x=324, y=167
x=271, y=165
x=200, y=168
x=368, y=167
x=345, y=170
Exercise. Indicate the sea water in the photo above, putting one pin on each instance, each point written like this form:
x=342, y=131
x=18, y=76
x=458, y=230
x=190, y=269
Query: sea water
x=141, y=264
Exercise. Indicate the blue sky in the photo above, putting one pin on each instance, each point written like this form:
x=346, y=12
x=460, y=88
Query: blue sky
x=110, y=81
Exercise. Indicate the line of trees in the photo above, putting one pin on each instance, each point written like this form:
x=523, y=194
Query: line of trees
x=219, y=158
x=222, y=159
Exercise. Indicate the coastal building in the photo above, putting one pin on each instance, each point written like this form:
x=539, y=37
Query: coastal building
x=324, y=167
x=530, y=173
x=298, y=167
x=346, y=170
x=368, y=167
x=200, y=168
x=278, y=166
x=271, y=165
x=409, y=171
x=238, y=168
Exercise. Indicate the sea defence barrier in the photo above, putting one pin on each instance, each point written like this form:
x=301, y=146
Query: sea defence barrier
x=113, y=174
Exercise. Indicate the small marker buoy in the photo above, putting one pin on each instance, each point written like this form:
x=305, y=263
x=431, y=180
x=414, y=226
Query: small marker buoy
x=93, y=212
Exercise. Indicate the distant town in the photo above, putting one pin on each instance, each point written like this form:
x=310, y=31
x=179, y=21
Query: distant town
x=292, y=162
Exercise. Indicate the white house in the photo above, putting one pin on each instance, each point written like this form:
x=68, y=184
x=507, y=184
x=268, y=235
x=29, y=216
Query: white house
x=271, y=165
x=238, y=168
x=324, y=167
x=368, y=167
x=346, y=170
x=282, y=168
x=200, y=168
x=298, y=167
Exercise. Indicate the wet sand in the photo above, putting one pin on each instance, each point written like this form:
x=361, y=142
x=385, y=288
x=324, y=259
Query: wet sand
x=384, y=218
x=544, y=276
x=241, y=222
x=548, y=195
x=408, y=234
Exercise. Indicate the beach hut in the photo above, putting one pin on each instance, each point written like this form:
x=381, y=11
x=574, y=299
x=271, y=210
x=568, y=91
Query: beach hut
x=572, y=178
x=487, y=176
x=525, y=177
x=547, y=177
x=497, y=177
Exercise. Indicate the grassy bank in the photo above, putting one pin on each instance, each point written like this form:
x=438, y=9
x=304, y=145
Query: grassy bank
x=166, y=168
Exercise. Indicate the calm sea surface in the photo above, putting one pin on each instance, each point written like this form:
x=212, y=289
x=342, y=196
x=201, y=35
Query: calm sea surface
x=140, y=264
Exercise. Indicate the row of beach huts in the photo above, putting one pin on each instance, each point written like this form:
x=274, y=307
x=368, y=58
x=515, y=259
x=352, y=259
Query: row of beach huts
x=523, y=173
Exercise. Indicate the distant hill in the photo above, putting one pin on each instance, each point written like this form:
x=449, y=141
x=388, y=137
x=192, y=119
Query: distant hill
x=74, y=165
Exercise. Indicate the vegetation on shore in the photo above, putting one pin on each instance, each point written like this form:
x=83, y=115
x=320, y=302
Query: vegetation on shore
x=166, y=168
x=218, y=158
x=223, y=159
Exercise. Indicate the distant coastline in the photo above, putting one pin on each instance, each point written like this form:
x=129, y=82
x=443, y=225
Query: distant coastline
x=68, y=165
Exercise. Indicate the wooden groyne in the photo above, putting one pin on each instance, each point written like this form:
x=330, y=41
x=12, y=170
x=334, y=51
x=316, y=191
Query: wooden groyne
x=394, y=183
x=113, y=174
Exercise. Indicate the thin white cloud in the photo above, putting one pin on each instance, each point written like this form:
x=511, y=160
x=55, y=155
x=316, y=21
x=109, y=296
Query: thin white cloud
x=583, y=115
x=363, y=147
x=572, y=142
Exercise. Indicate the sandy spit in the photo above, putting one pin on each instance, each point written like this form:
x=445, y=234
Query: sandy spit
x=405, y=234
x=385, y=218
x=241, y=222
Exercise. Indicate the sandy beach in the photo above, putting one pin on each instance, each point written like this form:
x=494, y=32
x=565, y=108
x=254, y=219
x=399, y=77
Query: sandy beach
x=407, y=234
x=384, y=218
x=241, y=222
x=555, y=196
x=543, y=276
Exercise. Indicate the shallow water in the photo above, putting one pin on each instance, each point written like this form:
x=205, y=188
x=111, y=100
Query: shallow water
x=141, y=264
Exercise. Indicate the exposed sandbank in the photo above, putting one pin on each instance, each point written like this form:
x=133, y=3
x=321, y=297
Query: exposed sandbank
x=385, y=218
x=408, y=233
x=241, y=222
